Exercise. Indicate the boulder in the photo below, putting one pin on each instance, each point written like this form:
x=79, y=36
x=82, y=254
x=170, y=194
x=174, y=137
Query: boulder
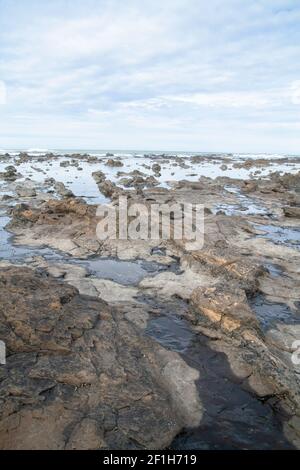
x=114, y=163
x=99, y=176
x=156, y=168
x=291, y=211
x=10, y=173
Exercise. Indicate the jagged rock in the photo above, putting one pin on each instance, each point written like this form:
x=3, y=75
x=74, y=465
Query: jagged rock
x=139, y=181
x=109, y=189
x=106, y=187
x=93, y=159
x=284, y=337
x=49, y=181
x=61, y=189
x=10, y=174
x=225, y=305
x=68, y=225
x=64, y=164
x=292, y=212
x=156, y=168
x=25, y=191
x=131, y=173
x=99, y=176
x=249, y=186
x=290, y=181
x=114, y=163
x=23, y=158
x=168, y=284
x=229, y=262
x=4, y=157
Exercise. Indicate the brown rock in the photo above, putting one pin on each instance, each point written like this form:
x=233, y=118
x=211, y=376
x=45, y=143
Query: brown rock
x=78, y=375
x=114, y=163
x=224, y=304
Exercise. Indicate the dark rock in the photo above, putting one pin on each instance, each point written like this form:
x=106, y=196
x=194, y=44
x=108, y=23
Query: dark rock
x=25, y=191
x=156, y=168
x=292, y=212
x=225, y=305
x=113, y=163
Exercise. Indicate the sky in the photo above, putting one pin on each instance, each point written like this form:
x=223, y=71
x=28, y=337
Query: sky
x=193, y=75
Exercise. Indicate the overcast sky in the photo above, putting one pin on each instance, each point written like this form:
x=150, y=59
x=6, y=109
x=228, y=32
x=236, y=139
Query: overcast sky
x=217, y=75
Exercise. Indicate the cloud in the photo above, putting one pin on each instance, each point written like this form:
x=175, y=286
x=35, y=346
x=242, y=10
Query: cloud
x=295, y=92
x=227, y=99
x=2, y=93
x=182, y=74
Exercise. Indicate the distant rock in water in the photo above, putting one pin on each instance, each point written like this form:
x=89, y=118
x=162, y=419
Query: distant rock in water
x=114, y=163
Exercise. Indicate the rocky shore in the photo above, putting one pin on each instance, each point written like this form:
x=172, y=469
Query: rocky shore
x=122, y=344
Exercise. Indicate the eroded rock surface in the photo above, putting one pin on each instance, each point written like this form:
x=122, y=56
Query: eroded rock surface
x=80, y=376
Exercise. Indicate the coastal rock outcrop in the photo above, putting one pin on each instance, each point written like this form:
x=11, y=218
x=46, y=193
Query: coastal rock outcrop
x=114, y=163
x=10, y=174
x=78, y=375
x=224, y=305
